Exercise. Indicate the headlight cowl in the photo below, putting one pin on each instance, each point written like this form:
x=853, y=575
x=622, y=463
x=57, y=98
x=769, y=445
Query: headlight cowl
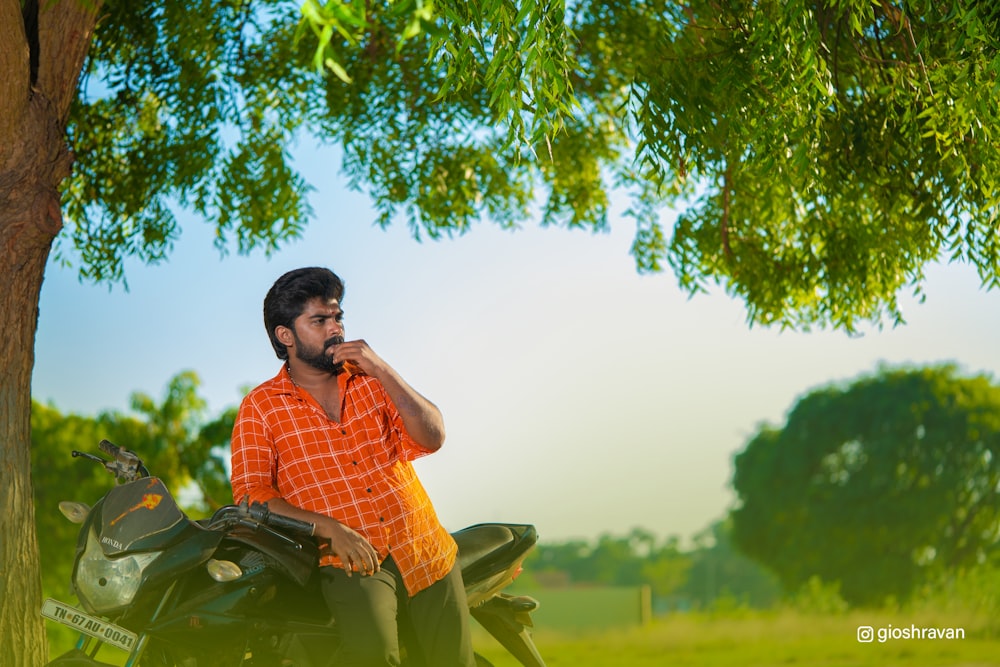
x=104, y=584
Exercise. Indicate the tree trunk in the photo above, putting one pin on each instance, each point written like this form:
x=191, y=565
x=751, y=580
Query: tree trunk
x=42, y=49
x=23, y=252
x=29, y=206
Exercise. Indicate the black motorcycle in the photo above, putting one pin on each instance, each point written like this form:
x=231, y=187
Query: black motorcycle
x=239, y=589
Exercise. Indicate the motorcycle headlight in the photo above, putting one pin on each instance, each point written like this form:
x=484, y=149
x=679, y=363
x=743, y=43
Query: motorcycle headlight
x=105, y=584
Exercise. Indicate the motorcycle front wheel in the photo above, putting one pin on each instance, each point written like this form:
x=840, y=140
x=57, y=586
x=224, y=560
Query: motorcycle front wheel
x=76, y=658
x=159, y=654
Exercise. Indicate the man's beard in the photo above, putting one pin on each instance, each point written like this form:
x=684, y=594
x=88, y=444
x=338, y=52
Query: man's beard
x=319, y=358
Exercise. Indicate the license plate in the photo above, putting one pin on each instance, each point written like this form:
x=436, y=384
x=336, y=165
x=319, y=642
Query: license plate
x=109, y=633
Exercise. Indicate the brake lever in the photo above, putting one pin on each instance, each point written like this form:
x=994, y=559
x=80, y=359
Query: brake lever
x=257, y=526
x=251, y=517
x=110, y=466
x=85, y=455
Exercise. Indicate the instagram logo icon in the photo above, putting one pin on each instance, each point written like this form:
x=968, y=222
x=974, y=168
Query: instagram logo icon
x=866, y=633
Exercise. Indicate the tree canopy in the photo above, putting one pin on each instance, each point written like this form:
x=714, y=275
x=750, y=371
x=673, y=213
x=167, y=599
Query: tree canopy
x=883, y=485
x=820, y=154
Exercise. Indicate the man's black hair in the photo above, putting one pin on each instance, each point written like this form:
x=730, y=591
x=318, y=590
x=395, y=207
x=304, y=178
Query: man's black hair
x=289, y=294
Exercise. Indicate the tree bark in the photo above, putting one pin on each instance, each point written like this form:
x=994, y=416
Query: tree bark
x=34, y=160
x=24, y=249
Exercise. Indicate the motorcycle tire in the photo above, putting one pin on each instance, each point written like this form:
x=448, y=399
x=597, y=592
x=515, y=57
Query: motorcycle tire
x=76, y=658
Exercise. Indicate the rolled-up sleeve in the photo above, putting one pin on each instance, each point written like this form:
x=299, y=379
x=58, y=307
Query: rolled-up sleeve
x=254, y=460
x=396, y=433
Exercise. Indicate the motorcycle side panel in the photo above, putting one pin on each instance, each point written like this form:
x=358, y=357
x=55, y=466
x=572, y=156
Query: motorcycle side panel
x=297, y=563
x=248, y=615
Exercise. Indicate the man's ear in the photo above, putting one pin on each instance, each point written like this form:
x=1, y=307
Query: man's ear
x=285, y=336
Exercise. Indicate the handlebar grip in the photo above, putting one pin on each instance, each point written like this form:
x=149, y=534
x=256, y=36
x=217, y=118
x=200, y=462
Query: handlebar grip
x=260, y=512
x=109, y=447
x=290, y=525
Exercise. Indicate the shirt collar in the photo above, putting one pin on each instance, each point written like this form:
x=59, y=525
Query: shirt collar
x=282, y=384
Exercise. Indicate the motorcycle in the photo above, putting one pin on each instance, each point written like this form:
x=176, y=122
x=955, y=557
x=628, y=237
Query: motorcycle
x=239, y=588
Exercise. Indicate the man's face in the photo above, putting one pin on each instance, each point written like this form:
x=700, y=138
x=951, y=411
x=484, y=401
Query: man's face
x=316, y=331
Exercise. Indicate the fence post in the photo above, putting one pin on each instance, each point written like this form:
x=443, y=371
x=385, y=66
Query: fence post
x=645, y=605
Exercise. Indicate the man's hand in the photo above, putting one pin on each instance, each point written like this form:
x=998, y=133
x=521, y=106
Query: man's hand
x=354, y=551
x=358, y=358
x=421, y=418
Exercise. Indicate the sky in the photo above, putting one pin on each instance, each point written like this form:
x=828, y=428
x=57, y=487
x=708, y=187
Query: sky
x=578, y=395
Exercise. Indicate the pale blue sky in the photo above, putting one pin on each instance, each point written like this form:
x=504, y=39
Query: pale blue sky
x=578, y=395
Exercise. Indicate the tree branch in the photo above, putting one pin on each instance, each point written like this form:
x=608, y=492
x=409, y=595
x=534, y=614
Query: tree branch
x=920, y=57
x=15, y=80
x=727, y=250
x=65, y=28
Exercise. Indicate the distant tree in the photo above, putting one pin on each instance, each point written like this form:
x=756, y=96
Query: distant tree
x=173, y=437
x=183, y=443
x=558, y=561
x=881, y=485
x=717, y=570
x=612, y=561
x=637, y=558
x=666, y=569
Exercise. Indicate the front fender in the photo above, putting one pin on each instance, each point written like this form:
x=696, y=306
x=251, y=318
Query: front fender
x=76, y=658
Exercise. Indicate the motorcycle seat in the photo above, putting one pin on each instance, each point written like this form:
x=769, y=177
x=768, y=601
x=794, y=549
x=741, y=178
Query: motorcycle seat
x=487, y=550
x=477, y=543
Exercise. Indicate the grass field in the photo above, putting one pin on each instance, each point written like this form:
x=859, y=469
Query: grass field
x=740, y=638
x=767, y=639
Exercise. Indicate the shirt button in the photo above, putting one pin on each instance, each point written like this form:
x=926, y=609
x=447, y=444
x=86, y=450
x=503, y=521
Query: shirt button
x=369, y=490
x=354, y=462
x=381, y=518
x=343, y=431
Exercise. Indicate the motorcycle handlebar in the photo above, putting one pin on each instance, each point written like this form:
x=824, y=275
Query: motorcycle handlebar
x=125, y=464
x=260, y=512
x=290, y=525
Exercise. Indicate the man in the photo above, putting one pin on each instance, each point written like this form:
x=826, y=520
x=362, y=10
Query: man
x=329, y=440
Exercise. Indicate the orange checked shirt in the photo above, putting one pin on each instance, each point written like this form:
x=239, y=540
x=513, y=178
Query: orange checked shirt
x=357, y=471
